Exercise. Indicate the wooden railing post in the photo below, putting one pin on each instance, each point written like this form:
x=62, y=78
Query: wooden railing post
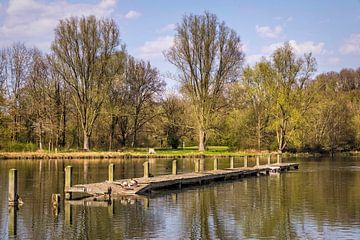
x=246, y=161
x=68, y=182
x=269, y=159
x=257, y=160
x=278, y=158
x=216, y=164
x=231, y=162
x=146, y=169
x=174, y=167
x=111, y=169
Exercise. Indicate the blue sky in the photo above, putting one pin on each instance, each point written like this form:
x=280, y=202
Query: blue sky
x=329, y=29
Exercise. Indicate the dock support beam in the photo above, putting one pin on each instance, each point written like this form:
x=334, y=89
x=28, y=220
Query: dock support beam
x=216, y=164
x=257, y=161
x=174, y=167
x=231, y=162
x=269, y=159
x=13, y=182
x=111, y=172
x=246, y=161
x=146, y=169
x=68, y=182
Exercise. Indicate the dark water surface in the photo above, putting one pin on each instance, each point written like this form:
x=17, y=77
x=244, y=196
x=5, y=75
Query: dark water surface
x=320, y=201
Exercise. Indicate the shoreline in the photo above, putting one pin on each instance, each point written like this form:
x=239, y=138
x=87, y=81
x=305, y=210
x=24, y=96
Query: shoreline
x=135, y=155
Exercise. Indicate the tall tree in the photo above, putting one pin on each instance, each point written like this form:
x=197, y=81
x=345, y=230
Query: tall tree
x=82, y=50
x=207, y=55
x=256, y=81
x=143, y=84
x=289, y=100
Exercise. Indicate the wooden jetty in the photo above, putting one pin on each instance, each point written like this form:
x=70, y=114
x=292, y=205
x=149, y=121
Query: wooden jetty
x=144, y=185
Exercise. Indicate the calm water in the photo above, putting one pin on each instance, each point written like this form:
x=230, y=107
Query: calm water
x=321, y=200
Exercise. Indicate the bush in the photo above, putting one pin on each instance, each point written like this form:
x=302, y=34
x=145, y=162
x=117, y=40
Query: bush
x=17, y=147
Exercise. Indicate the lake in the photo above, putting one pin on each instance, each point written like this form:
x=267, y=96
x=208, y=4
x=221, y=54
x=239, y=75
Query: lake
x=320, y=200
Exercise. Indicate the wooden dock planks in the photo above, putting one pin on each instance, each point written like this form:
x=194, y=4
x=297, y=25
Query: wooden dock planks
x=147, y=184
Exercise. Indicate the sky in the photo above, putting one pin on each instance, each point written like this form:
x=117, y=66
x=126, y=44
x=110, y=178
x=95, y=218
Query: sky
x=328, y=29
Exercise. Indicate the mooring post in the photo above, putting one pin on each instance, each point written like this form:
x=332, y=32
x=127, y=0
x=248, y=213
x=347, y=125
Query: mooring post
x=13, y=181
x=231, y=162
x=146, y=169
x=68, y=182
x=202, y=165
x=197, y=165
x=257, y=160
x=174, y=167
x=12, y=221
x=246, y=161
x=278, y=158
x=111, y=169
x=269, y=159
x=68, y=213
x=216, y=164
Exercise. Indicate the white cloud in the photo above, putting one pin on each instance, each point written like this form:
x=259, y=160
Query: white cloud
x=254, y=58
x=266, y=31
x=333, y=60
x=155, y=48
x=168, y=28
x=33, y=21
x=299, y=48
x=132, y=14
x=351, y=45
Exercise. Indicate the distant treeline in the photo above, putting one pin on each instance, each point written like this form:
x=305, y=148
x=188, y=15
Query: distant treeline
x=88, y=92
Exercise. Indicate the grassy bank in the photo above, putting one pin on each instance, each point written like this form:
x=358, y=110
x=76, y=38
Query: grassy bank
x=213, y=151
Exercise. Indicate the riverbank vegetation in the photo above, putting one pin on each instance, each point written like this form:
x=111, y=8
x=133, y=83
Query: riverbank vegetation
x=88, y=92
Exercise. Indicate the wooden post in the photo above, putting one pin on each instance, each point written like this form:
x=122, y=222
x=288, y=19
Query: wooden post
x=111, y=169
x=231, y=162
x=202, y=165
x=246, y=161
x=13, y=181
x=257, y=160
x=12, y=221
x=216, y=164
x=146, y=169
x=68, y=213
x=197, y=165
x=68, y=182
x=269, y=159
x=278, y=158
x=174, y=167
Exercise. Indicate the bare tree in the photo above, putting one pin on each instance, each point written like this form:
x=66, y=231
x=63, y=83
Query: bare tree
x=142, y=83
x=207, y=55
x=82, y=50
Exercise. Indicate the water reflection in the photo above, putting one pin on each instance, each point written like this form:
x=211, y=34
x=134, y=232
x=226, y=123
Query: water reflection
x=321, y=200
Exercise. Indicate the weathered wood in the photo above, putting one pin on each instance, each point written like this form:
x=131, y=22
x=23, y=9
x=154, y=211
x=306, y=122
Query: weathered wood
x=145, y=184
x=257, y=160
x=174, y=167
x=278, y=158
x=246, y=161
x=111, y=169
x=12, y=221
x=13, y=182
x=146, y=169
x=197, y=165
x=269, y=159
x=68, y=182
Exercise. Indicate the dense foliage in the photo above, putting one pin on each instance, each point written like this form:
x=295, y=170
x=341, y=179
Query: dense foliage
x=88, y=92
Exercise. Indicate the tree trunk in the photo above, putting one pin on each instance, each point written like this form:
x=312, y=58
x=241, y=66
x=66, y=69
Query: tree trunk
x=259, y=133
x=86, y=141
x=202, y=139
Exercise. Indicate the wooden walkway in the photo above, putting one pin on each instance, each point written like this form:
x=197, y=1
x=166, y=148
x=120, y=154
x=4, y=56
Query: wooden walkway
x=144, y=185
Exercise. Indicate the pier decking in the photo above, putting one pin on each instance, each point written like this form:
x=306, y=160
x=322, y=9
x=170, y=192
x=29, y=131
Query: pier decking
x=146, y=184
